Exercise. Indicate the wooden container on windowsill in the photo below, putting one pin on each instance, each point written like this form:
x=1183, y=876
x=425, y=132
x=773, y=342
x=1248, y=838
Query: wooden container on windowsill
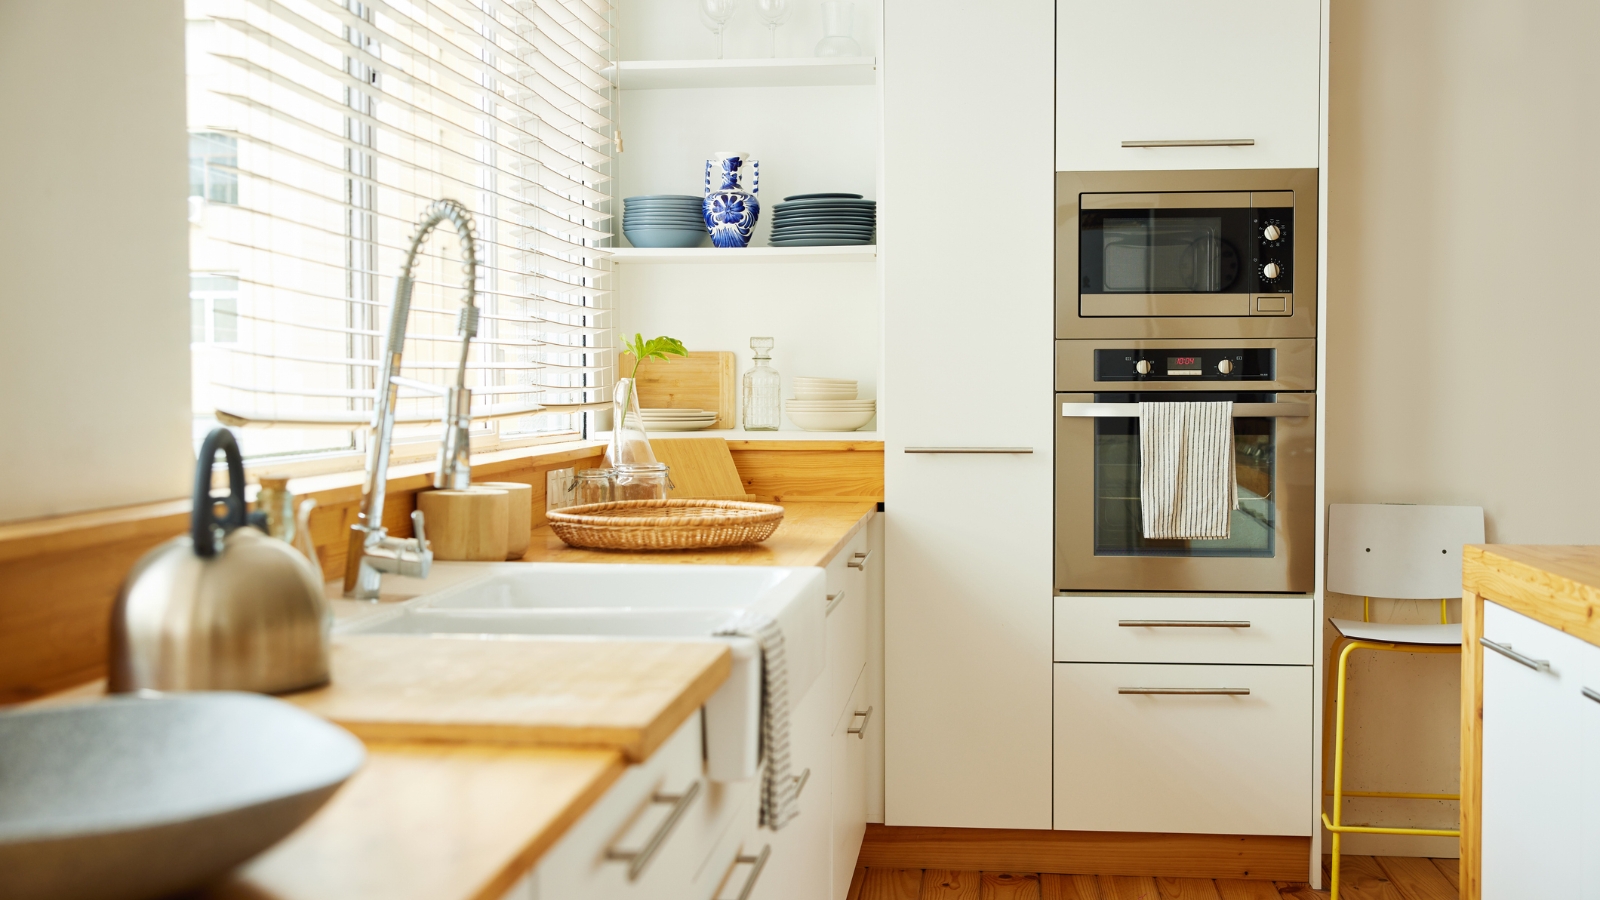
x=466, y=525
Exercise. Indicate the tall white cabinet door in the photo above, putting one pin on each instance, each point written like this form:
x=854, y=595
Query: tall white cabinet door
x=968, y=325
x=1586, y=700
x=1181, y=70
x=1531, y=764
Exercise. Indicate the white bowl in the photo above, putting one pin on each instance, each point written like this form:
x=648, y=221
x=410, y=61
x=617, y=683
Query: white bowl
x=831, y=404
x=836, y=420
x=824, y=395
x=825, y=382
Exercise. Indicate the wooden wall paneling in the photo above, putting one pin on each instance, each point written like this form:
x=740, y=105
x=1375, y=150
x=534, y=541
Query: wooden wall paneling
x=811, y=470
x=1272, y=857
x=1470, y=882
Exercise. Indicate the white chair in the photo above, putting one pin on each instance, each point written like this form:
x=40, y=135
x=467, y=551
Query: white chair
x=1396, y=552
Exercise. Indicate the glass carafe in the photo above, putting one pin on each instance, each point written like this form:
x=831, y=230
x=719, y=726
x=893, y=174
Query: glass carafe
x=763, y=390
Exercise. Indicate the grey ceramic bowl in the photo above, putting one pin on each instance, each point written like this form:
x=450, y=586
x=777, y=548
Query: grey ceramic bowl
x=666, y=237
x=130, y=798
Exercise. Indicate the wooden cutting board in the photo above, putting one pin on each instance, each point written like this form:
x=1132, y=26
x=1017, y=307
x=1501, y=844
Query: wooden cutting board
x=702, y=380
x=627, y=696
x=701, y=468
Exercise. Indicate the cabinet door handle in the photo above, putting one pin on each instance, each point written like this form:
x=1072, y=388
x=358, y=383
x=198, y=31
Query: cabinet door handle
x=1181, y=623
x=969, y=449
x=858, y=560
x=1221, y=691
x=756, y=863
x=1538, y=665
x=1200, y=142
x=860, y=731
x=800, y=782
x=834, y=599
x=638, y=859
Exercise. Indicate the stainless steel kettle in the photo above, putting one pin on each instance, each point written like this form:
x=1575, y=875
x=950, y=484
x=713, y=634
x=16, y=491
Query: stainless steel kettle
x=224, y=607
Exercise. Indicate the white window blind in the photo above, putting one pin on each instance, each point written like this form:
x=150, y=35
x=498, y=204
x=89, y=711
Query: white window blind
x=320, y=131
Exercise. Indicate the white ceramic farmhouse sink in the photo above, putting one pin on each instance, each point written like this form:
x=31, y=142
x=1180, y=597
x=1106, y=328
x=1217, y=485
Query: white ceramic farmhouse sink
x=622, y=601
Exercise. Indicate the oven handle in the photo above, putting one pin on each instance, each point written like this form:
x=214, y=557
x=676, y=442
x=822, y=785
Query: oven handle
x=1131, y=410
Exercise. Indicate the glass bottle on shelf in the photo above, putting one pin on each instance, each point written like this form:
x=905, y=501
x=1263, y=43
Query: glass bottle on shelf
x=763, y=390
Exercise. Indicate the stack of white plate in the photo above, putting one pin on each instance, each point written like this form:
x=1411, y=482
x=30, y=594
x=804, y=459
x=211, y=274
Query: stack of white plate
x=828, y=404
x=677, y=419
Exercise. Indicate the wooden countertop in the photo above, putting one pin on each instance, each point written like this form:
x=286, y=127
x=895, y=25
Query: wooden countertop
x=1558, y=585
x=430, y=822
x=810, y=535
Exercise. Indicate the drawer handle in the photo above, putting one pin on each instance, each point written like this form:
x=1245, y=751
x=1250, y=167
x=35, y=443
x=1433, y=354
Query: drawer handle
x=860, y=731
x=756, y=863
x=1592, y=694
x=834, y=599
x=1213, y=142
x=1226, y=692
x=858, y=560
x=1538, y=665
x=800, y=782
x=638, y=859
x=1180, y=623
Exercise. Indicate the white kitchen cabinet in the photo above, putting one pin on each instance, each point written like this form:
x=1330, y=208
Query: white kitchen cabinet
x=1533, y=761
x=1187, y=70
x=850, y=786
x=872, y=571
x=968, y=347
x=1131, y=758
x=800, y=863
x=1588, y=721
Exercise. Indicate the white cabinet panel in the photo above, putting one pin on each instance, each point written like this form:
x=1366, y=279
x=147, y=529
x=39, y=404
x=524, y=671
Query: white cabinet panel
x=1211, y=764
x=1260, y=630
x=873, y=576
x=799, y=867
x=849, y=787
x=1587, y=716
x=1532, y=767
x=847, y=622
x=1144, y=70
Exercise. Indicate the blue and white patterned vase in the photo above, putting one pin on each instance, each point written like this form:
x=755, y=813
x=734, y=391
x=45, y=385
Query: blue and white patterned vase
x=731, y=211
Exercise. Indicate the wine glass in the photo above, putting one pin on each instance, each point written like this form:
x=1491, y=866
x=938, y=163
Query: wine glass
x=773, y=12
x=715, y=14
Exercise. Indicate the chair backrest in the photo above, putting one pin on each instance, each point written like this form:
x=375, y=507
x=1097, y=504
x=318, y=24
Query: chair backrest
x=1400, y=552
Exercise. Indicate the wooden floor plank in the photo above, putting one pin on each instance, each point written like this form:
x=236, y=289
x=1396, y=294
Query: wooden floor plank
x=892, y=884
x=1128, y=887
x=1417, y=878
x=1361, y=878
x=1069, y=887
x=1298, y=891
x=1243, y=889
x=1009, y=886
x=1450, y=869
x=945, y=884
x=856, y=881
x=1187, y=889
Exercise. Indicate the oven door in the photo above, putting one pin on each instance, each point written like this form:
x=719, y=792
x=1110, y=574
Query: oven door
x=1099, y=539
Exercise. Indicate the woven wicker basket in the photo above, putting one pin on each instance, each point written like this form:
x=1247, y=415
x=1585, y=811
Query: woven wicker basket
x=665, y=524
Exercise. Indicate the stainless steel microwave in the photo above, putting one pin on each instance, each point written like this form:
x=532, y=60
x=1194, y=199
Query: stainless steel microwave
x=1224, y=253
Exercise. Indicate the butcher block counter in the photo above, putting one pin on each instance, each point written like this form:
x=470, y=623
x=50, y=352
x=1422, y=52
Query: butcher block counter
x=502, y=774
x=1559, y=587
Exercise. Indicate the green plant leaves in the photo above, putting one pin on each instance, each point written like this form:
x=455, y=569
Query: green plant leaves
x=655, y=348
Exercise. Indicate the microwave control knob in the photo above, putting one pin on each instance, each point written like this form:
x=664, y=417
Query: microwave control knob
x=1272, y=233
x=1143, y=367
x=1225, y=367
x=1271, y=271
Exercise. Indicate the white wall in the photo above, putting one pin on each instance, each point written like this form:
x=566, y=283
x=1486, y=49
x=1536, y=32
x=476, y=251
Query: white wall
x=1463, y=317
x=94, y=314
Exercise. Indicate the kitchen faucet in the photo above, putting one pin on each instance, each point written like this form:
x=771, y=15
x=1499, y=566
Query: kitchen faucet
x=372, y=552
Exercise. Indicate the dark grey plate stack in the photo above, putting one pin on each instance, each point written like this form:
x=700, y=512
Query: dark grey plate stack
x=664, y=220
x=824, y=220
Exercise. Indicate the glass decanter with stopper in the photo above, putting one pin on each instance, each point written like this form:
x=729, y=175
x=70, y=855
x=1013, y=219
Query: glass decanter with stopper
x=763, y=390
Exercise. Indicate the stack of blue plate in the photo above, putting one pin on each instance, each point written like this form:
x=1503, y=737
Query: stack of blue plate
x=823, y=220
x=664, y=220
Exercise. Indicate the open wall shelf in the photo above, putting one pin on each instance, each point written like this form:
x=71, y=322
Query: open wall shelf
x=657, y=74
x=725, y=255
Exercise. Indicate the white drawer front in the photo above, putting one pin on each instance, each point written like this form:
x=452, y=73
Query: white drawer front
x=1246, y=630
x=850, y=785
x=847, y=622
x=1195, y=763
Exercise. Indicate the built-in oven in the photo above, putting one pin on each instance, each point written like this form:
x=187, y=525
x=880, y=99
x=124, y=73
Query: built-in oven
x=1218, y=253
x=1100, y=545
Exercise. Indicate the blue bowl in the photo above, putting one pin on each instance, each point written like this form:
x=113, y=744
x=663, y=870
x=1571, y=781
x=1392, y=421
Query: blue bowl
x=666, y=237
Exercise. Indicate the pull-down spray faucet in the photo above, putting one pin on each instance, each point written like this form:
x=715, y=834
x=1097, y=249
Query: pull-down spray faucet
x=372, y=552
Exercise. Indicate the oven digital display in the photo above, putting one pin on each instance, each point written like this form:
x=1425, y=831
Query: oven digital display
x=1183, y=365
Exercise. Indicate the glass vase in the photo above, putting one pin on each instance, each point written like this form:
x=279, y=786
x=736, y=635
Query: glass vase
x=837, y=17
x=629, y=446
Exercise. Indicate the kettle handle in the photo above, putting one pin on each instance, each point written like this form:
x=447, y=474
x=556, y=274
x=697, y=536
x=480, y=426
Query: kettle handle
x=203, y=524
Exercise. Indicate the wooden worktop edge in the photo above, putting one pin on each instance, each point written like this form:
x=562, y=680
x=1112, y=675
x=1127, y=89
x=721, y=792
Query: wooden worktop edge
x=1522, y=586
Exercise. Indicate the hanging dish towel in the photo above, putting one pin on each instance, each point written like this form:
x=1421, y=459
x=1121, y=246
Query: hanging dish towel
x=1187, y=488
x=778, y=803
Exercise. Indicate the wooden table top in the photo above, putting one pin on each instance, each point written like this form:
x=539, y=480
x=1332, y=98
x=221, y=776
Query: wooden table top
x=810, y=535
x=1557, y=584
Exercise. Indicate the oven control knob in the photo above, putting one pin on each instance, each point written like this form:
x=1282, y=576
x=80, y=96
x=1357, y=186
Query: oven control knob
x=1272, y=233
x=1225, y=367
x=1143, y=367
x=1271, y=271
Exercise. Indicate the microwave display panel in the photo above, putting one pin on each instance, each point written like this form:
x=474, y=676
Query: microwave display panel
x=1240, y=250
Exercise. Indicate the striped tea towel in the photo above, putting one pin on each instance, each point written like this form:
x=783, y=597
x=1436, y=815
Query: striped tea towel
x=778, y=804
x=1187, y=486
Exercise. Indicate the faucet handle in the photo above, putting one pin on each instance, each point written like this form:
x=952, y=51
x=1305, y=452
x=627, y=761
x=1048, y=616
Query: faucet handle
x=418, y=528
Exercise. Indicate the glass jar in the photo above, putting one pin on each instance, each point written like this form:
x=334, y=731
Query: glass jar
x=591, y=486
x=645, y=481
x=763, y=390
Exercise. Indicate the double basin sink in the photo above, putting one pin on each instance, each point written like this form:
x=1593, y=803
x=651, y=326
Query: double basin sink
x=584, y=601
